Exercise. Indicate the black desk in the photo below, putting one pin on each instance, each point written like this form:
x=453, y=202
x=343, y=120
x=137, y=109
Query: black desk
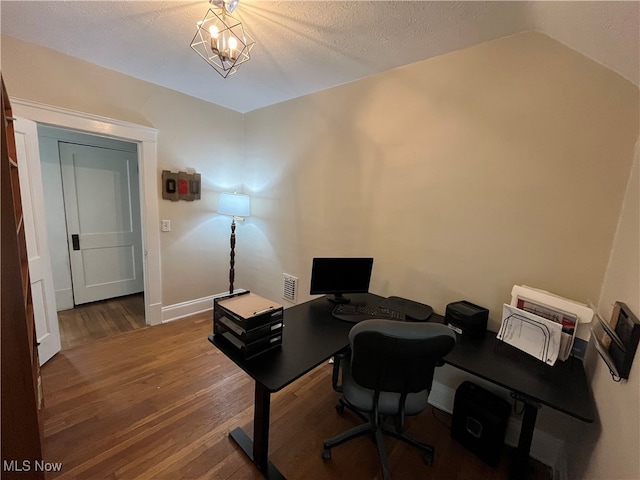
x=563, y=387
x=310, y=337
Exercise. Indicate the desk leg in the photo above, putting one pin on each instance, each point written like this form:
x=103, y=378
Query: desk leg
x=258, y=450
x=262, y=410
x=520, y=467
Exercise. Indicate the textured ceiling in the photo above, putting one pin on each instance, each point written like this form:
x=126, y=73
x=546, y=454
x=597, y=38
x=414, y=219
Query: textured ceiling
x=306, y=46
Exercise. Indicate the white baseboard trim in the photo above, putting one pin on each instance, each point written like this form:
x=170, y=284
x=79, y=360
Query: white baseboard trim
x=191, y=307
x=545, y=447
x=64, y=299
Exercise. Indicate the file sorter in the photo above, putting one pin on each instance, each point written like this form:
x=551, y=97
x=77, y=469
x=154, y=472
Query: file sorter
x=531, y=333
x=542, y=324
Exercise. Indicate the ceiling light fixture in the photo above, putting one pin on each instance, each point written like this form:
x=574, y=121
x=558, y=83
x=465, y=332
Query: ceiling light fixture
x=221, y=39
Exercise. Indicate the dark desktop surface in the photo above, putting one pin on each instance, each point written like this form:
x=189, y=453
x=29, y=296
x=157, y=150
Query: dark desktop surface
x=563, y=386
x=311, y=335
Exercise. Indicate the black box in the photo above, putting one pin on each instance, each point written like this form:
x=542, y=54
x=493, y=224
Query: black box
x=466, y=318
x=251, y=324
x=480, y=421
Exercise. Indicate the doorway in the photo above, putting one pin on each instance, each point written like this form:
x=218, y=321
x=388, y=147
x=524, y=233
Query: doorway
x=95, y=234
x=146, y=140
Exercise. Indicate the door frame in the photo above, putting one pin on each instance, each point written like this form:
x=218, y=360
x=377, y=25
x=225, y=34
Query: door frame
x=146, y=139
x=35, y=229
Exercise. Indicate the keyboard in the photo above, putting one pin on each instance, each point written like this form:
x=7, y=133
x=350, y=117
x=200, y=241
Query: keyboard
x=357, y=313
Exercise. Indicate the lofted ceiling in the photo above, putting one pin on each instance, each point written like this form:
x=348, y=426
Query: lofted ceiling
x=307, y=46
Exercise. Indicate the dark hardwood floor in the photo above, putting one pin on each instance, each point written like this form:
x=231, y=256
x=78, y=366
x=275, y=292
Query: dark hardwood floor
x=158, y=403
x=96, y=320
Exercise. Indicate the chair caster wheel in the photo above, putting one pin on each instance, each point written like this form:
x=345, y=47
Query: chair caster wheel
x=428, y=458
x=326, y=454
x=339, y=408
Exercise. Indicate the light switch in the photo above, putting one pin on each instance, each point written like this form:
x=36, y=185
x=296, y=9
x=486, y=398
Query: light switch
x=166, y=226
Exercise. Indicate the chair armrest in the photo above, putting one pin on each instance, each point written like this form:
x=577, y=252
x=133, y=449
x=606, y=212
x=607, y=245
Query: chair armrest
x=338, y=358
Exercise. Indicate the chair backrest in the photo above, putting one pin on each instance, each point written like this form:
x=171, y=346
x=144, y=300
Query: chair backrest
x=400, y=357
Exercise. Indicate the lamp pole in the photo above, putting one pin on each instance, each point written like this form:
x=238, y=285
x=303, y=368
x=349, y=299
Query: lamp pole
x=232, y=261
x=237, y=206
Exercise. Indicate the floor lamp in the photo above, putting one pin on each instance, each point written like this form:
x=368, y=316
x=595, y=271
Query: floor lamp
x=237, y=206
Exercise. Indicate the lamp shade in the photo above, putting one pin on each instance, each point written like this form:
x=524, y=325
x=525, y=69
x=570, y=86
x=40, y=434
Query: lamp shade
x=234, y=204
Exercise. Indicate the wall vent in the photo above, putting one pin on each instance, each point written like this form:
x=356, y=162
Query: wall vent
x=289, y=287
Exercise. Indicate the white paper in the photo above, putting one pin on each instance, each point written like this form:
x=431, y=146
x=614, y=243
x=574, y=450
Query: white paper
x=580, y=310
x=583, y=313
x=532, y=334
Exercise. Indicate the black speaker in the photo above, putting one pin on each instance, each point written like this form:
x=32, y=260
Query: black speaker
x=480, y=421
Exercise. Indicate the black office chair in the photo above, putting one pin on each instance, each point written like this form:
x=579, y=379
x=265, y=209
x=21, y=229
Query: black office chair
x=389, y=373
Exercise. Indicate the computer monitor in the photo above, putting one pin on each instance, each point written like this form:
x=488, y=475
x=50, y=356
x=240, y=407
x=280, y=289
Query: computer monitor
x=337, y=276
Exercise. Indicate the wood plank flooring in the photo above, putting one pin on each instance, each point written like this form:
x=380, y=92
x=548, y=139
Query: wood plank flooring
x=96, y=320
x=158, y=403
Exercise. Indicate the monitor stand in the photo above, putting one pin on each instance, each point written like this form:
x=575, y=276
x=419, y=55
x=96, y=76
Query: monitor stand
x=338, y=298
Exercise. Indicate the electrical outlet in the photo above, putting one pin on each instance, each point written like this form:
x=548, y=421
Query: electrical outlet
x=165, y=226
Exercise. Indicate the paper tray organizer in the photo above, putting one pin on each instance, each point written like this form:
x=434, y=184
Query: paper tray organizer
x=535, y=335
x=248, y=322
x=542, y=324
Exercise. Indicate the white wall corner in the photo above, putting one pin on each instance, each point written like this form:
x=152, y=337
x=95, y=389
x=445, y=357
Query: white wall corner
x=153, y=313
x=64, y=299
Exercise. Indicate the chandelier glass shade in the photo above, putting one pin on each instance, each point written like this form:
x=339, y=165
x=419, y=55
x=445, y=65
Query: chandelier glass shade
x=222, y=41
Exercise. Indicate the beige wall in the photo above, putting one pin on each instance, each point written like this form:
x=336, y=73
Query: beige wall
x=462, y=175
x=614, y=453
x=192, y=134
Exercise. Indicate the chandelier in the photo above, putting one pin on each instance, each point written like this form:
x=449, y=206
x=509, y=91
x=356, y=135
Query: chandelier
x=221, y=39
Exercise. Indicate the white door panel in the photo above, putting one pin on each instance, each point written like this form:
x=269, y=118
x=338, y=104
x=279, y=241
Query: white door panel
x=102, y=206
x=40, y=273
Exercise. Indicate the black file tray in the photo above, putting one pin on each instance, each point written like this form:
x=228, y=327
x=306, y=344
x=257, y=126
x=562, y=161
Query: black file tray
x=249, y=323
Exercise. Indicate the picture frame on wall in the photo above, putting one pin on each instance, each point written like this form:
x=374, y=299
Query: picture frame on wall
x=180, y=186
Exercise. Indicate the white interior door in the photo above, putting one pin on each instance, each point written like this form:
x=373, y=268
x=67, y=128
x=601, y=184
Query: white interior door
x=40, y=273
x=102, y=206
